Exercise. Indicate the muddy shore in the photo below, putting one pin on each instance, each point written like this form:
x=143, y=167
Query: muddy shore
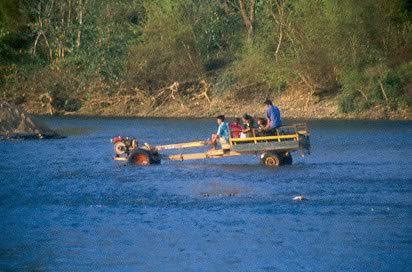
x=293, y=105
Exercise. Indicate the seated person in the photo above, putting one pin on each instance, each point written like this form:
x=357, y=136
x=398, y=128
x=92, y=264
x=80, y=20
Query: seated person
x=273, y=118
x=261, y=122
x=249, y=124
x=235, y=128
x=222, y=134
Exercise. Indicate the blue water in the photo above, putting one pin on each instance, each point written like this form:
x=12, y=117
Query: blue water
x=65, y=205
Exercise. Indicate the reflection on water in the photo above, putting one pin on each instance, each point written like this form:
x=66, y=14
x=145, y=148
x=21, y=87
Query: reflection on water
x=66, y=206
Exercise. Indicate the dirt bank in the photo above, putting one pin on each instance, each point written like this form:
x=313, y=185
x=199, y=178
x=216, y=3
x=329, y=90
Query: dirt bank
x=293, y=103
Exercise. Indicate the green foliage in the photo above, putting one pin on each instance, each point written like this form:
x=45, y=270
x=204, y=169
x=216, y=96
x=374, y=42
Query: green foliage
x=225, y=82
x=375, y=85
x=253, y=69
x=168, y=50
x=347, y=102
x=215, y=33
x=395, y=84
x=12, y=22
x=350, y=43
x=360, y=49
x=59, y=96
x=72, y=104
x=62, y=94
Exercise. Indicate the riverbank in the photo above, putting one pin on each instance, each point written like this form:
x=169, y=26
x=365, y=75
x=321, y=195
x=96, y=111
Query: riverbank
x=293, y=103
x=18, y=124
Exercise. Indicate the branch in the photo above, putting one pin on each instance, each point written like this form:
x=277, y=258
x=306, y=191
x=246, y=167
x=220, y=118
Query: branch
x=167, y=94
x=205, y=88
x=384, y=93
x=279, y=41
x=252, y=11
x=363, y=94
x=280, y=21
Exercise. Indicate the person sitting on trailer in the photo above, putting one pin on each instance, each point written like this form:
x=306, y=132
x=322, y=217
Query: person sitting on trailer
x=261, y=122
x=272, y=117
x=249, y=123
x=235, y=128
x=222, y=134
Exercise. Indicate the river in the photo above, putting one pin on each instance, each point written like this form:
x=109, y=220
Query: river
x=65, y=205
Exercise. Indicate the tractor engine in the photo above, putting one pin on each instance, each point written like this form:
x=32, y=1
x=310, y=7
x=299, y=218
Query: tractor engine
x=123, y=145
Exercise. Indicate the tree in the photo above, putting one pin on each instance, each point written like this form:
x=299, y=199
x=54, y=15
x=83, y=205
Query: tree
x=247, y=13
x=168, y=51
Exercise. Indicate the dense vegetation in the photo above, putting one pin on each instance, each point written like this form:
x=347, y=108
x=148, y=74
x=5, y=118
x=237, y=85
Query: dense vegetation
x=358, y=51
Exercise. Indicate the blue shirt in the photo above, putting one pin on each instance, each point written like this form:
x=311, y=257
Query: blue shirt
x=273, y=114
x=223, y=131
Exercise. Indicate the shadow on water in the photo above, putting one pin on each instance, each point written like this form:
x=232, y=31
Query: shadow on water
x=74, y=131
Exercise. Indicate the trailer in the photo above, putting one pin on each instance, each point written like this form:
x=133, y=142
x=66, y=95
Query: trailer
x=273, y=150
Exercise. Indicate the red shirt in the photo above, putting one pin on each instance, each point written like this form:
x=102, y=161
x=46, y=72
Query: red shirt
x=235, y=130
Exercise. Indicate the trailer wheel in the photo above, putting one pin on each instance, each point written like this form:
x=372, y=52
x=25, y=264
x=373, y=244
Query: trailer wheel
x=143, y=157
x=271, y=159
x=155, y=158
x=287, y=159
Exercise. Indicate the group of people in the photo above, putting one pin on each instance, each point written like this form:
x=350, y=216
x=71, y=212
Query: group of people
x=262, y=127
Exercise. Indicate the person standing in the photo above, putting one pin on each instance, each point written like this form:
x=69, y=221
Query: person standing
x=273, y=118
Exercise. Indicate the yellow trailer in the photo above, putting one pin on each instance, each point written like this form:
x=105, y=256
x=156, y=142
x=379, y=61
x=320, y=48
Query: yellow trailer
x=274, y=150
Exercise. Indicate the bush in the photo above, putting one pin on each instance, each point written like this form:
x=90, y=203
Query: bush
x=375, y=84
x=168, y=52
x=254, y=68
x=224, y=82
x=358, y=89
x=395, y=85
x=346, y=102
x=216, y=34
x=59, y=96
x=20, y=99
x=72, y=104
x=62, y=100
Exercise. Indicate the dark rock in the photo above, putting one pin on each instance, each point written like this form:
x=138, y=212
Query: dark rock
x=16, y=123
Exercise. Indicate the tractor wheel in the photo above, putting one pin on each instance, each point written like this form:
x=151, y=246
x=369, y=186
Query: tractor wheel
x=119, y=148
x=271, y=159
x=143, y=157
x=139, y=157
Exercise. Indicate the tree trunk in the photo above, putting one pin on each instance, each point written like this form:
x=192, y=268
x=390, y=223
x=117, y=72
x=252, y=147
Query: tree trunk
x=69, y=16
x=33, y=51
x=248, y=17
x=79, y=32
x=48, y=46
x=280, y=20
x=279, y=41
